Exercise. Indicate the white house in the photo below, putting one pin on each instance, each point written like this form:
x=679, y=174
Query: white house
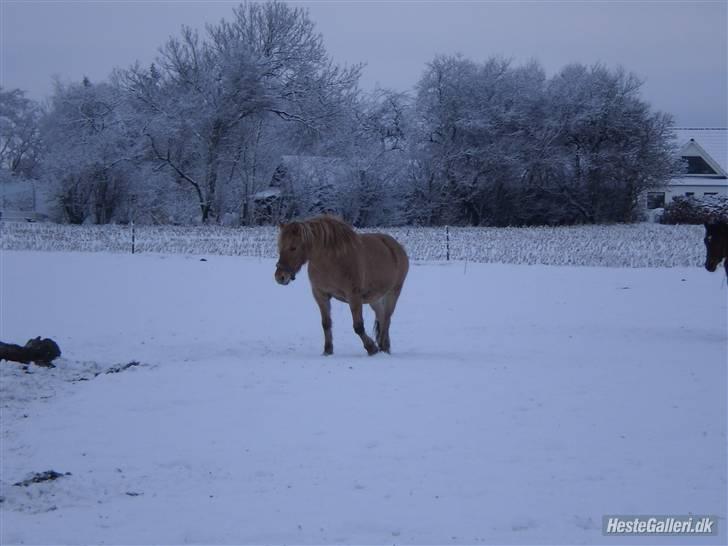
x=706, y=153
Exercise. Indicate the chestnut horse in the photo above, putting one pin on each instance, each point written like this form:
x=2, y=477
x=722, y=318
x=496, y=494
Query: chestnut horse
x=716, y=246
x=351, y=267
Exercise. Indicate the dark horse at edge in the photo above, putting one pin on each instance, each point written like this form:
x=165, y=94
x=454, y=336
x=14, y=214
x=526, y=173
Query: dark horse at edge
x=716, y=246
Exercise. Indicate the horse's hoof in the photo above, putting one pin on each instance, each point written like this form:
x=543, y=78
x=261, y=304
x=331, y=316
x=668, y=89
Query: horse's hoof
x=372, y=350
x=328, y=352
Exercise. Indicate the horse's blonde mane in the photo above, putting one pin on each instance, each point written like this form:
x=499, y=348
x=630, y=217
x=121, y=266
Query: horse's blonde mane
x=326, y=232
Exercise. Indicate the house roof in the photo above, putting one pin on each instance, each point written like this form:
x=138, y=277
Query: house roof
x=713, y=140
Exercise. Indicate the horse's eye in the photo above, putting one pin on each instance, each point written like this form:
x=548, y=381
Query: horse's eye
x=292, y=249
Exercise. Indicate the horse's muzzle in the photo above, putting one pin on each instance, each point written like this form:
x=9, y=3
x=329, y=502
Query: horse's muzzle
x=284, y=275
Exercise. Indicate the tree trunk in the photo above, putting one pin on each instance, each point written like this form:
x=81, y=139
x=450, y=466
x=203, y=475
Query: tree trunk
x=213, y=160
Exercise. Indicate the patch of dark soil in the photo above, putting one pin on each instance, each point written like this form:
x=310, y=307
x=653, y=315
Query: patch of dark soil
x=40, y=477
x=120, y=367
x=114, y=369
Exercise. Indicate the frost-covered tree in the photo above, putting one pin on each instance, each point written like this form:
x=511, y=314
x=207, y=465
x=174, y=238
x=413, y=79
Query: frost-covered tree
x=474, y=131
x=90, y=149
x=371, y=141
x=210, y=104
x=607, y=146
x=498, y=144
x=251, y=121
x=20, y=143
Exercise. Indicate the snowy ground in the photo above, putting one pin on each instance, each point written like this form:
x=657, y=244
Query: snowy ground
x=520, y=404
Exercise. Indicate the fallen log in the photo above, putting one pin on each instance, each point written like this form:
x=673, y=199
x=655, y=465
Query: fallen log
x=39, y=351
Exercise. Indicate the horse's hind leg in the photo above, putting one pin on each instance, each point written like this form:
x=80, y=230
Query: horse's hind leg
x=324, y=302
x=389, y=303
x=355, y=304
x=379, y=307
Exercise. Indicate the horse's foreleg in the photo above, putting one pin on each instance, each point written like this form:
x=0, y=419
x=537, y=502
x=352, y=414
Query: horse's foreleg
x=324, y=302
x=355, y=304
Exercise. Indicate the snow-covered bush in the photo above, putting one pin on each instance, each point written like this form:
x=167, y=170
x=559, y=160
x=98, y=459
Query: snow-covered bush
x=692, y=210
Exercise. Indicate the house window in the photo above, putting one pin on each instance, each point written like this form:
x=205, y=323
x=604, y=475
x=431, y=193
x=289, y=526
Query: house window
x=698, y=165
x=689, y=194
x=655, y=199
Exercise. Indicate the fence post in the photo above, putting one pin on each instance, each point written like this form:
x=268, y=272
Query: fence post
x=447, y=243
x=133, y=229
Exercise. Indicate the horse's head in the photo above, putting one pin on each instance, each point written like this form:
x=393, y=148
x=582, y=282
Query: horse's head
x=716, y=245
x=291, y=252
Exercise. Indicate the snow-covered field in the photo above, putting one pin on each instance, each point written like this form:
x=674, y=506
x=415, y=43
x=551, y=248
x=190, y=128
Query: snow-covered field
x=520, y=404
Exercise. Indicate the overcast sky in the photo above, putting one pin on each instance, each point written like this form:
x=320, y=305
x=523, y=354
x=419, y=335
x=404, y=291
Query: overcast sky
x=678, y=47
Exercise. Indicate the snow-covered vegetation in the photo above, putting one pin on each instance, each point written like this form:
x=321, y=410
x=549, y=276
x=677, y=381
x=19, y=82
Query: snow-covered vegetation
x=622, y=245
x=252, y=122
x=696, y=210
